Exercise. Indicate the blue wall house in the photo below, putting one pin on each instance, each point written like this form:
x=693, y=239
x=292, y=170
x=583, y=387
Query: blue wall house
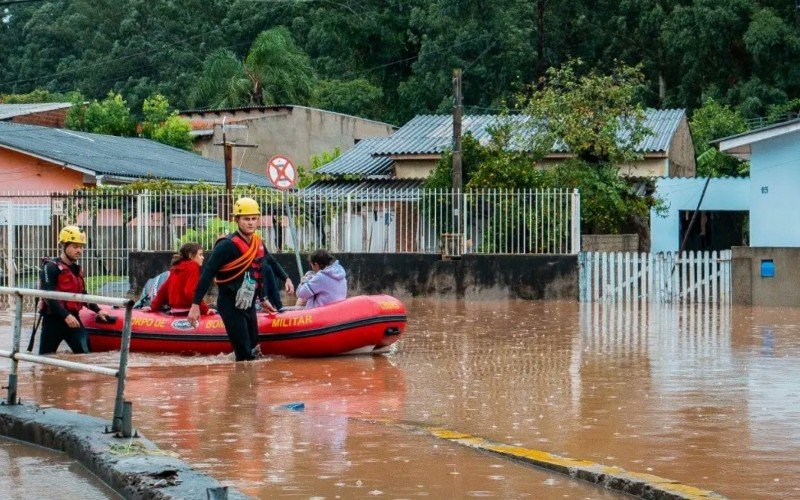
x=774, y=191
x=770, y=195
x=681, y=197
x=767, y=272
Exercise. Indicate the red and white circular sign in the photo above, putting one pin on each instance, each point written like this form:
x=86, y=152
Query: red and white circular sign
x=281, y=172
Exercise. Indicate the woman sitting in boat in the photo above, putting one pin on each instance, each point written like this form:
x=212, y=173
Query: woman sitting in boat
x=326, y=286
x=177, y=292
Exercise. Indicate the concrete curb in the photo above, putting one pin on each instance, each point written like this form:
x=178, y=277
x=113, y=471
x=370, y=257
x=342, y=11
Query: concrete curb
x=134, y=468
x=613, y=478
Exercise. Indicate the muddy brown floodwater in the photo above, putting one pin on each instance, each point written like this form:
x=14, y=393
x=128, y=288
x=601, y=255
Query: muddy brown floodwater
x=33, y=472
x=703, y=395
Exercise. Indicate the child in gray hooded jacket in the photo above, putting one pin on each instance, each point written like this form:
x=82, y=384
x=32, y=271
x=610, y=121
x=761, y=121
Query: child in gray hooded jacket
x=327, y=285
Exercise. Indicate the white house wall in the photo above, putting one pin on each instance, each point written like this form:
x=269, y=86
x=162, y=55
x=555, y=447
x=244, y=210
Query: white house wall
x=678, y=194
x=775, y=192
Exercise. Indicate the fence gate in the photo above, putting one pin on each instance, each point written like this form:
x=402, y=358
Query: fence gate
x=661, y=277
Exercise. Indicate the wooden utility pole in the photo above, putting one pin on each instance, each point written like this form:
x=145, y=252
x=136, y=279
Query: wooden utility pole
x=228, y=155
x=456, y=176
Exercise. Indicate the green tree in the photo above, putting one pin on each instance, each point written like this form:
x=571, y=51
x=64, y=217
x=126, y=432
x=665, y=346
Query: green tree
x=174, y=131
x=40, y=95
x=275, y=71
x=369, y=40
x=593, y=116
x=155, y=110
x=76, y=116
x=473, y=155
x=785, y=111
x=714, y=121
x=110, y=116
x=309, y=175
x=163, y=125
x=354, y=97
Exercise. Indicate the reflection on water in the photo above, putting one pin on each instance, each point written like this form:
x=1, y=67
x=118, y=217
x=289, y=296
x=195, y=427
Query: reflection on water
x=34, y=472
x=701, y=394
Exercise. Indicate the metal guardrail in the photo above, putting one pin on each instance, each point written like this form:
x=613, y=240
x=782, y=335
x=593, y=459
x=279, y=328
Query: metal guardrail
x=121, y=422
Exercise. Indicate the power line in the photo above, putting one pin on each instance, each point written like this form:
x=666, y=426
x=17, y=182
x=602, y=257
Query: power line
x=10, y=2
x=416, y=56
x=105, y=62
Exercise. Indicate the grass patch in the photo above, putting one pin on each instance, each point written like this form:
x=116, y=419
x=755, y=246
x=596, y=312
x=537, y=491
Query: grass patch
x=93, y=283
x=137, y=448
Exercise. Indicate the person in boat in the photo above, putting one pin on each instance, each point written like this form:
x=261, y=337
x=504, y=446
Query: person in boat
x=177, y=293
x=150, y=289
x=239, y=265
x=60, y=318
x=327, y=284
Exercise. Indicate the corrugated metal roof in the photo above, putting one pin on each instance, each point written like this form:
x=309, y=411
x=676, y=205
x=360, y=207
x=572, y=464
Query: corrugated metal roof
x=433, y=134
x=124, y=157
x=359, y=160
x=663, y=123
x=766, y=128
x=235, y=109
x=8, y=111
x=366, y=189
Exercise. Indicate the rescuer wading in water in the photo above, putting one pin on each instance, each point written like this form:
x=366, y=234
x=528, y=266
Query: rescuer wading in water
x=61, y=318
x=244, y=272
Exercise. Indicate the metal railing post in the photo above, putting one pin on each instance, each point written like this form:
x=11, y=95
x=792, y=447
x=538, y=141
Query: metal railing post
x=347, y=223
x=11, y=268
x=116, y=423
x=576, y=221
x=13, y=375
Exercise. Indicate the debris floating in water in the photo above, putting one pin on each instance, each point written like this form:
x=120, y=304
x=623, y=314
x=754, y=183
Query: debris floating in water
x=300, y=406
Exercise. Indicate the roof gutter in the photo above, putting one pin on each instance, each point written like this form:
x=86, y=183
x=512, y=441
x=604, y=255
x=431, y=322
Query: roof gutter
x=121, y=179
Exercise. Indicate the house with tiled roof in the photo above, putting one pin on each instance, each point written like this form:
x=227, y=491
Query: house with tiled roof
x=411, y=153
x=46, y=159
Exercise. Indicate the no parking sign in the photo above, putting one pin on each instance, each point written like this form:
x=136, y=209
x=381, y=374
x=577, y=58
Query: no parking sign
x=281, y=172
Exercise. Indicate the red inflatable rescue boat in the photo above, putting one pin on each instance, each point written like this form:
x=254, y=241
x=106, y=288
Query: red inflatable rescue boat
x=362, y=324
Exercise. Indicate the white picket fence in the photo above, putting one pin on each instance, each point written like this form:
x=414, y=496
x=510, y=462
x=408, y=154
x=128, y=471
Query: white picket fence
x=662, y=277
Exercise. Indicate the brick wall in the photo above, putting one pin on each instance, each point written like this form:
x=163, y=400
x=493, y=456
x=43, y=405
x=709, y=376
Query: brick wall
x=54, y=118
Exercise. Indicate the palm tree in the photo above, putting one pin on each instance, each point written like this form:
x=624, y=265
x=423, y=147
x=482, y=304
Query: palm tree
x=275, y=71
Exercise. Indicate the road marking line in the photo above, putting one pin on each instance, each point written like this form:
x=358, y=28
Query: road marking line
x=613, y=478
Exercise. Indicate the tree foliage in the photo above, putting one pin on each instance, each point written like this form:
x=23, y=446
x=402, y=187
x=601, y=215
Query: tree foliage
x=112, y=116
x=356, y=97
x=275, y=71
x=163, y=125
x=39, y=95
x=742, y=53
x=595, y=118
x=714, y=121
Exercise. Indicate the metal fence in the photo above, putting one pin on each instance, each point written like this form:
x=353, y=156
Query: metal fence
x=372, y=220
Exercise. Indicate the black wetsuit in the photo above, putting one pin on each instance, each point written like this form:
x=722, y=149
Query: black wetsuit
x=241, y=325
x=54, y=328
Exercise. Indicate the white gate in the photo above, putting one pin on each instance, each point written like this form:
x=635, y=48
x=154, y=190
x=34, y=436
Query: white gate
x=661, y=277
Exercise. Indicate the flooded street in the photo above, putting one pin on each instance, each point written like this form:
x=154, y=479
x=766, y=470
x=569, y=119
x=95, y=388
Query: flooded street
x=705, y=396
x=33, y=472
